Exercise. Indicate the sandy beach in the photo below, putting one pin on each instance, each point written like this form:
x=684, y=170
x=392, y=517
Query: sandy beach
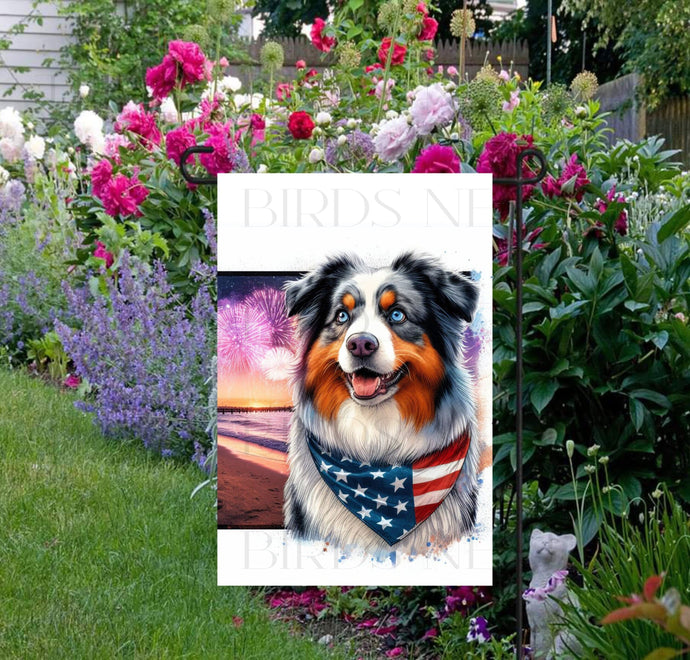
x=250, y=485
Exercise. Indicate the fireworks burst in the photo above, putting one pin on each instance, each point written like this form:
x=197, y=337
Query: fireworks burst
x=270, y=303
x=244, y=336
x=278, y=364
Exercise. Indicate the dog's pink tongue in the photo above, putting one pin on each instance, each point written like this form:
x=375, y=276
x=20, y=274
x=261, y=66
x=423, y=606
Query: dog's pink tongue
x=365, y=385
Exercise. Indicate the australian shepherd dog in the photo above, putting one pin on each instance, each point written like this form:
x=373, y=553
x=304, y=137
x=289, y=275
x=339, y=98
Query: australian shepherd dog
x=383, y=448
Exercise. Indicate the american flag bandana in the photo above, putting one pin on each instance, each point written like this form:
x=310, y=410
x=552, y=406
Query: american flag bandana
x=391, y=499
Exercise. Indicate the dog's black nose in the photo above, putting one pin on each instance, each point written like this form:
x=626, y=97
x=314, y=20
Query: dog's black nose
x=362, y=344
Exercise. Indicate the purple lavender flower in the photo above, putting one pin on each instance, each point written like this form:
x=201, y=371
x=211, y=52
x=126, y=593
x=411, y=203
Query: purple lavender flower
x=146, y=357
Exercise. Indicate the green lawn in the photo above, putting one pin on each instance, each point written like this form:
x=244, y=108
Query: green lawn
x=102, y=553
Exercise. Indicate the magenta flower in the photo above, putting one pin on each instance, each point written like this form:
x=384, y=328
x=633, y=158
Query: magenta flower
x=226, y=156
x=101, y=174
x=135, y=119
x=177, y=141
x=429, y=29
x=395, y=652
x=72, y=381
x=184, y=63
x=571, y=184
x=500, y=159
x=123, y=195
x=318, y=38
x=437, y=158
x=621, y=224
x=101, y=253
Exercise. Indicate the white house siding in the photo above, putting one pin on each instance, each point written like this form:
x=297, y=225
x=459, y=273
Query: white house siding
x=31, y=49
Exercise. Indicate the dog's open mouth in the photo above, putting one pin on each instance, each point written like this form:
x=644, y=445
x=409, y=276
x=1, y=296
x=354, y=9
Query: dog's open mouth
x=367, y=384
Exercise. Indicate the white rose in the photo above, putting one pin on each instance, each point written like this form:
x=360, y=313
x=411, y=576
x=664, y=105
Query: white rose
x=342, y=140
x=315, y=155
x=84, y=90
x=352, y=123
x=323, y=118
x=35, y=146
x=4, y=176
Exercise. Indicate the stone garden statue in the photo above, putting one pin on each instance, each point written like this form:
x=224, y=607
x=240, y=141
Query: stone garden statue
x=548, y=558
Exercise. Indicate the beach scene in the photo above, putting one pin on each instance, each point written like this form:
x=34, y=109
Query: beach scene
x=255, y=355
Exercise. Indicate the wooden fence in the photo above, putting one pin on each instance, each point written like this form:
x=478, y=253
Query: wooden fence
x=630, y=120
x=447, y=53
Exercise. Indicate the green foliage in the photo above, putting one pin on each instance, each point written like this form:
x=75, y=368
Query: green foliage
x=115, y=43
x=651, y=36
x=605, y=352
x=285, y=18
x=48, y=356
x=628, y=552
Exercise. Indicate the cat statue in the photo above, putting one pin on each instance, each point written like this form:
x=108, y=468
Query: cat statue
x=548, y=558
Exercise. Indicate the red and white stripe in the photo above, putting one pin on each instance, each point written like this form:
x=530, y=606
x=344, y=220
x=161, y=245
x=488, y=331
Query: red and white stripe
x=434, y=476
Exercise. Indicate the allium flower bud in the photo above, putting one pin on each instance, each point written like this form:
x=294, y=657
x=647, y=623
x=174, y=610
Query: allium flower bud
x=570, y=448
x=272, y=56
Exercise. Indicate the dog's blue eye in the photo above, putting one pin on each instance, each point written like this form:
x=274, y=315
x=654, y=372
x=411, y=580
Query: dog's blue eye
x=397, y=316
x=342, y=317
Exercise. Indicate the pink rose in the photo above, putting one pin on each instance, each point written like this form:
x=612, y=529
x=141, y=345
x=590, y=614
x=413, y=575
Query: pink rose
x=300, y=64
x=320, y=40
x=509, y=106
x=429, y=29
x=437, y=158
x=399, y=52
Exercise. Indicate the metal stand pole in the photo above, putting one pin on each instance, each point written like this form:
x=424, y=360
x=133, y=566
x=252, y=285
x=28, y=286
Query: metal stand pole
x=519, y=182
x=548, y=44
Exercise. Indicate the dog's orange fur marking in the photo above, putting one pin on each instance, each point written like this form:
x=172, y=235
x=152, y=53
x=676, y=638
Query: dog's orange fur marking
x=349, y=301
x=324, y=380
x=416, y=395
x=387, y=299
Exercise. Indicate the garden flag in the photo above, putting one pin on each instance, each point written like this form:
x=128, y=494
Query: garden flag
x=354, y=379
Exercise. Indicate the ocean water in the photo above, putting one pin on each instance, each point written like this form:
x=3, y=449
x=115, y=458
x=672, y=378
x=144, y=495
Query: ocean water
x=267, y=429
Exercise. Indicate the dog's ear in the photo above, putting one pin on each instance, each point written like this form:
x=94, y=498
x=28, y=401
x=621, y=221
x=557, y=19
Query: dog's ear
x=455, y=293
x=305, y=297
x=459, y=295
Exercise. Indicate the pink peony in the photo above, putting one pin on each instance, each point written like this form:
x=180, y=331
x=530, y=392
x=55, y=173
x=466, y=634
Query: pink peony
x=112, y=144
x=300, y=64
x=72, y=381
x=500, y=159
x=184, y=63
x=452, y=71
x=101, y=174
x=135, y=119
x=429, y=29
x=399, y=52
x=123, y=195
x=437, y=158
x=101, y=253
x=394, y=139
x=300, y=125
x=318, y=39
x=225, y=152
x=432, y=108
x=177, y=141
